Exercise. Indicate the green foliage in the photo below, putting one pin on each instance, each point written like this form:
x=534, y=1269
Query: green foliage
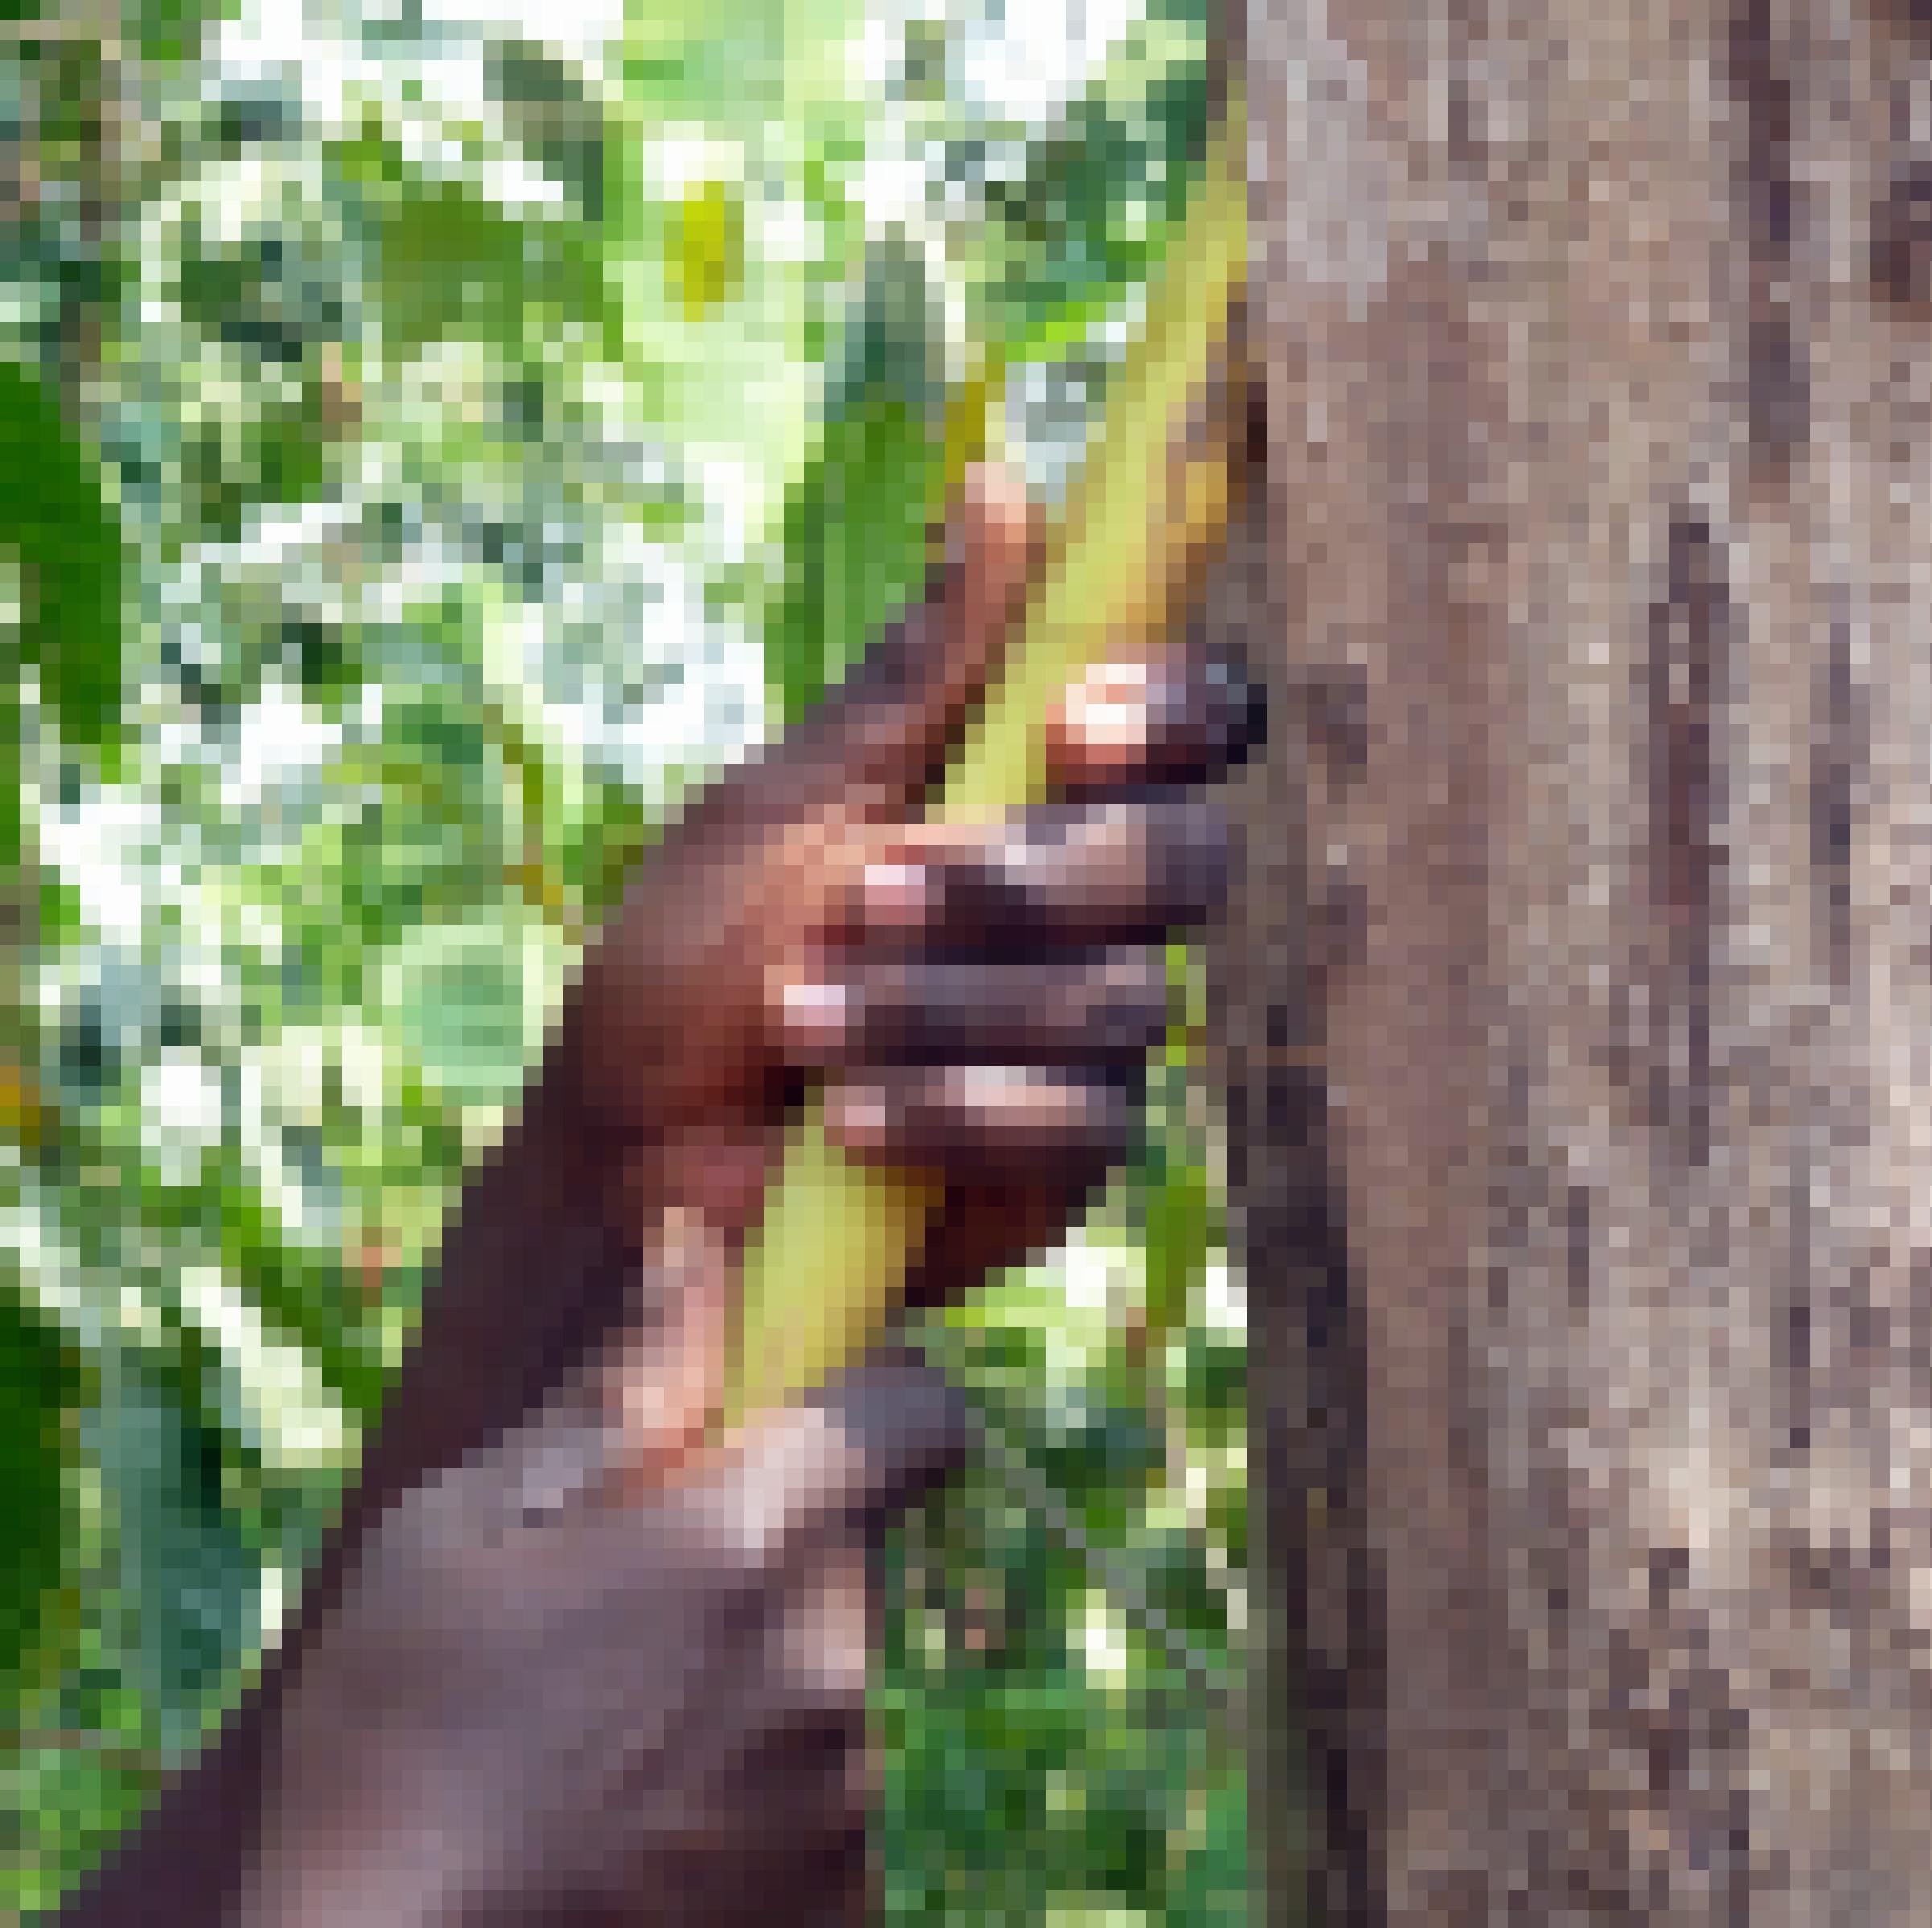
x=1178, y=1225
x=452, y=262
x=170, y=33
x=62, y=540
x=552, y=115
x=1090, y=211
x=1048, y=1760
x=705, y=248
x=39, y=1384
x=853, y=539
x=187, y=1578
x=441, y=535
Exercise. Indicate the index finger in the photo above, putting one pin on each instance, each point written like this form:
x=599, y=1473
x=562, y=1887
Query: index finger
x=886, y=728
x=1181, y=715
x=879, y=1436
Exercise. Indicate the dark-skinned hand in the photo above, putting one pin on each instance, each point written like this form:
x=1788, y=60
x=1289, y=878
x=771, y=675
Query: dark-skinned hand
x=978, y=999
x=546, y=1700
x=562, y=1662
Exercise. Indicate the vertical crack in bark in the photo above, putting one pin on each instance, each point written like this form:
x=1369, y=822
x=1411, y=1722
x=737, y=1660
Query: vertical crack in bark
x=1901, y=247
x=1577, y=1237
x=1777, y=400
x=1672, y=1704
x=1325, y=1631
x=1791, y=1335
x=1684, y=685
x=1841, y=747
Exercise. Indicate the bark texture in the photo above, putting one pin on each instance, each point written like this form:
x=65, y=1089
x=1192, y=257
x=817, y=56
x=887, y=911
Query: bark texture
x=1584, y=1015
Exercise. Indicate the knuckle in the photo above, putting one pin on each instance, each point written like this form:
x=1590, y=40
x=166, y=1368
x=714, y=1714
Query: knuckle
x=1192, y=854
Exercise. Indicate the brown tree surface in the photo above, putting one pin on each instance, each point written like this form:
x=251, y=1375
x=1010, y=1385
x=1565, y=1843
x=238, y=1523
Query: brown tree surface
x=1584, y=1077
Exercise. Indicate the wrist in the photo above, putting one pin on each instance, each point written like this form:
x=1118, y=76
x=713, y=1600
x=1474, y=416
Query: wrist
x=536, y=1264
x=399, y=1876
x=184, y=1864
x=366, y=1816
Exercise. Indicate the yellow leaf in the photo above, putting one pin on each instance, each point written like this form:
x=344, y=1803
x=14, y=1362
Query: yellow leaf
x=705, y=248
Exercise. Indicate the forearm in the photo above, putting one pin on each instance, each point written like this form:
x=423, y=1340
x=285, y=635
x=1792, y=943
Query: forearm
x=182, y=1866
x=354, y=1835
x=199, y=1861
x=533, y=1277
x=532, y=1273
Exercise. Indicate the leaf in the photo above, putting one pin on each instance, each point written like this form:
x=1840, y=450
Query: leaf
x=853, y=528
x=705, y=248
x=231, y=470
x=448, y=261
x=1090, y=213
x=170, y=32
x=66, y=544
x=39, y=1380
x=188, y=1579
x=548, y=110
x=1177, y=1204
x=457, y=997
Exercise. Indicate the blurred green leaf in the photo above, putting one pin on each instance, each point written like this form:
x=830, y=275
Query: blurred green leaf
x=39, y=1380
x=66, y=544
x=378, y=312
x=548, y=110
x=187, y=1579
x=170, y=32
x=1177, y=1215
x=1089, y=212
x=450, y=260
x=853, y=538
x=705, y=248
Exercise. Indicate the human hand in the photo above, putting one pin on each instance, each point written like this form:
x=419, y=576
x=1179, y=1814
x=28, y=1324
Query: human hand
x=978, y=998
x=988, y=1001
x=541, y=1698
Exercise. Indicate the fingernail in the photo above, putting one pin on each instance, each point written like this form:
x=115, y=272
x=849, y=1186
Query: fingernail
x=1191, y=850
x=859, y=1118
x=1109, y=709
x=999, y=497
x=1167, y=718
x=817, y=1013
x=896, y=894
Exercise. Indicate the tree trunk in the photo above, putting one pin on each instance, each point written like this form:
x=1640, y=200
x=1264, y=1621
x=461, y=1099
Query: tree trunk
x=1584, y=1024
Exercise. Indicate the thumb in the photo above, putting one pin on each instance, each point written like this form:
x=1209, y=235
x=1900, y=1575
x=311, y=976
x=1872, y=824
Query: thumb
x=884, y=731
x=876, y=1440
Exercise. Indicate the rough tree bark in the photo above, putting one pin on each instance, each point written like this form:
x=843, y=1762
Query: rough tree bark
x=1584, y=1077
